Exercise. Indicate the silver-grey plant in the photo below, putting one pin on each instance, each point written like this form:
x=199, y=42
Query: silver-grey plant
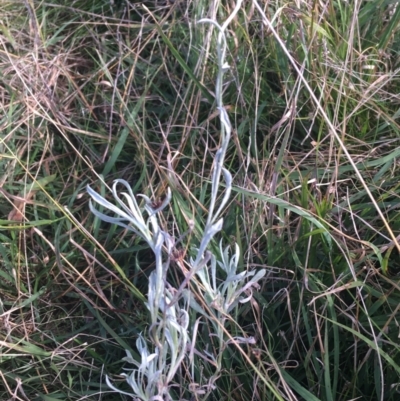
x=171, y=336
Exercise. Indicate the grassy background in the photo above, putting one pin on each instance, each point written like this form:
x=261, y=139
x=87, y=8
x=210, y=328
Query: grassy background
x=94, y=90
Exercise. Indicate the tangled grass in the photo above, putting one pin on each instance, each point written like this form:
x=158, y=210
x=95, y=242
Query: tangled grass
x=307, y=185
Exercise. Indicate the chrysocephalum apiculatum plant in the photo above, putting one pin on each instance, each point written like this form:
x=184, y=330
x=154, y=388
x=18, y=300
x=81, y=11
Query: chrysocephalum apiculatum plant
x=171, y=336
